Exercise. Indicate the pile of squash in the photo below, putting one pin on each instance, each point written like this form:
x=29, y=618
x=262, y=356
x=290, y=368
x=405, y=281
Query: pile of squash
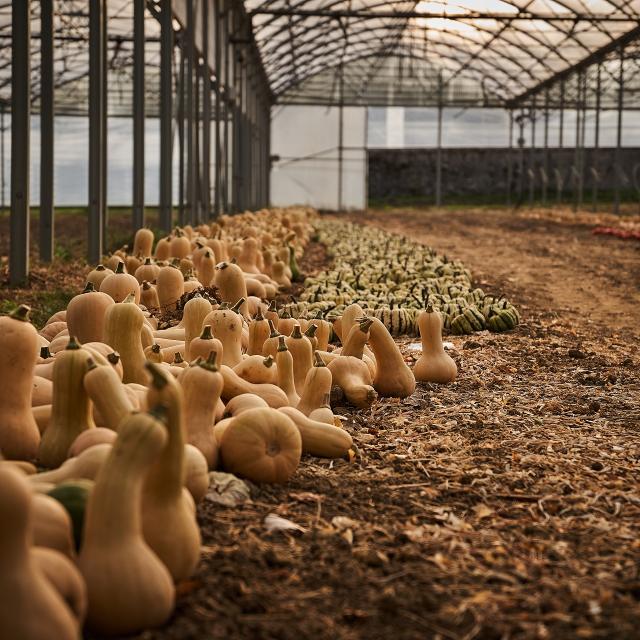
x=393, y=279
x=112, y=417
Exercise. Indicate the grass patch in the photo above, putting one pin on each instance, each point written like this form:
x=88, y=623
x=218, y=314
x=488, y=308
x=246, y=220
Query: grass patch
x=43, y=304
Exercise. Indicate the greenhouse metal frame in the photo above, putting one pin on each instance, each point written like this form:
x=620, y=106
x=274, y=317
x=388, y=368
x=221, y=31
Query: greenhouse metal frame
x=211, y=70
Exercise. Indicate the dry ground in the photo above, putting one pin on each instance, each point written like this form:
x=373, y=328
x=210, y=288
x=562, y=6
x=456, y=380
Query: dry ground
x=505, y=505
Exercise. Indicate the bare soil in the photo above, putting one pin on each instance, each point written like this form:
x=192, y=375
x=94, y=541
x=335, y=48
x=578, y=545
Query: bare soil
x=505, y=505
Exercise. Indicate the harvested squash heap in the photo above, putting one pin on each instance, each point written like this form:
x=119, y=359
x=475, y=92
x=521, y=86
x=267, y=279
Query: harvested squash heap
x=393, y=279
x=128, y=418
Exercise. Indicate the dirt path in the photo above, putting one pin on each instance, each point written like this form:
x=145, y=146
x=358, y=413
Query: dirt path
x=559, y=268
x=505, y=505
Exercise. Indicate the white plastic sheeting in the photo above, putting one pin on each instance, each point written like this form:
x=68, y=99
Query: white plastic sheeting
x=306, y=139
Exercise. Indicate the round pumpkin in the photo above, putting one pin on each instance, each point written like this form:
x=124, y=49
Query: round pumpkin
x=262, y=445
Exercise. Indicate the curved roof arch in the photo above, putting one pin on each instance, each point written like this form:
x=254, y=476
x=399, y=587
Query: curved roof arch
x=499, y=49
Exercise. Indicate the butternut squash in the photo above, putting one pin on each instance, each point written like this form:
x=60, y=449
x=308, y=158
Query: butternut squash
x=324, y=413
x=153, y=353
x=85, y=314
x=147, y=271
x=104, y=355
x=302, y=353
x=180, y=245
x=196, y=472
x=149, y=296
x=257, y=370
x=19, y=434
x=51, y=330
x=207, y=268
x=231, y=284
x=123, y=325
x=285, y=372
x=58, y=316
x=286, y=323
x=91, y=438
x=33, y=607
x=241, y=403
x=143, y=243
x=201, y=347
x=52, y=526
x=234, y=385
x=163, y=249
x=318, y=438
x=324, y=332
x=262, y=445
x=98, y=274
x=258, y=333
x=108, y=394
x=170, y=287
x=317, y=385
x=129, y=587
x=272, y=314
x=226, y=326
x=247, y=260
x=393, y=376
x=120, y=284
x=353, y=376
x=41, y=391
x=178, y=546
x=434, y=365
x=132, y=263
x=279, y=274
x=202, y=386
x=195, y=312
x=270, y=346
x=71, y=407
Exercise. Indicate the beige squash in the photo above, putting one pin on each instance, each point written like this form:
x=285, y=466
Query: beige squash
x=129, y=587
x=434, y=365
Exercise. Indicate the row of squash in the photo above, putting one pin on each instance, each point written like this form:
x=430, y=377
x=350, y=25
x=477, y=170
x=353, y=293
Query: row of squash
x=394, y=279
x=125, y=419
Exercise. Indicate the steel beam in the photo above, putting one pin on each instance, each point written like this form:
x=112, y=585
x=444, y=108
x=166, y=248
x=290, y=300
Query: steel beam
x=96, y=156
x=617, y=165
x=166, y=117
x=190, y=109
x=20, y=136
x=46, y=131
x=138, y=113
x=341, y=140
x=596, y=142
x=182, y=217
x=217, y=199
x=510, y=159
x=206, y=113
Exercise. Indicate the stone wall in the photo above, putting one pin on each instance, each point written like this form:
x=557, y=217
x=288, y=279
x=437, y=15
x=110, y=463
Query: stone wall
x=483, y=173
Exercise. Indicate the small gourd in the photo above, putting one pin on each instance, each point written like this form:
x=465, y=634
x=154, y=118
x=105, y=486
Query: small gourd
x=434, y=365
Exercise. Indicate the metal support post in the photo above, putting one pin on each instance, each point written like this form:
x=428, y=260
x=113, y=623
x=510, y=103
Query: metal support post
x=617, y=164
x=96, y=131
x=439, y=144
x=166, y=117
x=46, y=131
x=20, y=134
x=206, y=114
x=138, y=114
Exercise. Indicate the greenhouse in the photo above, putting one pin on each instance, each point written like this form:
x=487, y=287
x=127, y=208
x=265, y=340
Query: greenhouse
x=320, y=319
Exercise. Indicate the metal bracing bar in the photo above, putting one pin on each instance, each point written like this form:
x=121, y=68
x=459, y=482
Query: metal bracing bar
x=532, y=152
x=340, y=137
x=104, y=120
x=138, y=113
x=520, y=120
x=510, y=158
x=20, y=135
x=617, y=166
x=583, y=118
x=228, y=111
x=166, y=116
x=576, y=154
x=373, y=14
x=268, y=155
x=197, y=215
x=217, y=196
x=96, y=157
x=3, y=129
x=182, y=216
x=206, y=114
x=561, y=124
x=46, y=131
x=439, y=143
x=545, y=160
x=190, y=108
x=596, y=142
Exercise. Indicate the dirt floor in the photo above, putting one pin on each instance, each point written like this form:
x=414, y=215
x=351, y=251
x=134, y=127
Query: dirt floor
x=505, y=505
